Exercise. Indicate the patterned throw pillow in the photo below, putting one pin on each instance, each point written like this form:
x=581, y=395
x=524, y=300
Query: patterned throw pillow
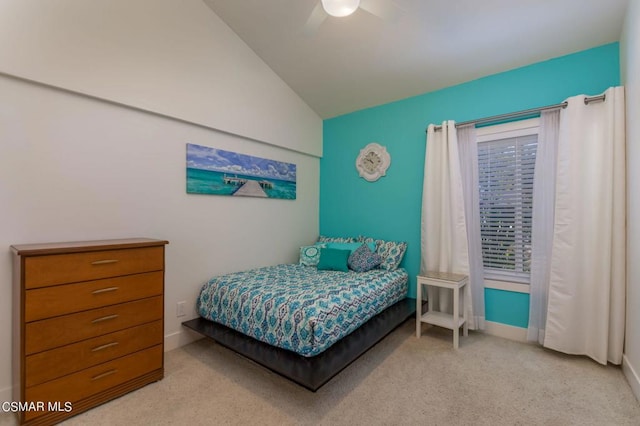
x=391, y=252
x=324, y=239
x=310, y=255
x=363, y=259
x=368, y=240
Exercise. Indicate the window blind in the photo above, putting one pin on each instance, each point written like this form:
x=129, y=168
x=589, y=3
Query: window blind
x=506, y=169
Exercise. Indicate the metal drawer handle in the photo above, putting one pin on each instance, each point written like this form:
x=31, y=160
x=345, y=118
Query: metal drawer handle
x=105, y=374
x=108, y=317
x=101, y=347
x=104, y=290
x=104, y=262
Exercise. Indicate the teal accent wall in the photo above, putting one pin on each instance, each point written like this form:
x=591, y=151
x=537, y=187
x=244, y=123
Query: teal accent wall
x=391, y=207
x=506, y=307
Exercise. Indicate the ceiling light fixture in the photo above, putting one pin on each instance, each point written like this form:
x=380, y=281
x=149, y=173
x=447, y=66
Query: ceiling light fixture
x=340, y=8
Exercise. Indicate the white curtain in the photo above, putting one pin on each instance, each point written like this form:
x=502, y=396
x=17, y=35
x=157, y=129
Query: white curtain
x=542, y=222
x=468, y=150
x=444, y=240
x=586, y=306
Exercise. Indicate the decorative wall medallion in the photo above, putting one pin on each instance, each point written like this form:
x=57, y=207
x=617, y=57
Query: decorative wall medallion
x=373, y=162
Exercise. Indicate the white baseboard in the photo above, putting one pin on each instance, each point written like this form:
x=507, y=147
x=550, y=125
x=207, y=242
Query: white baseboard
x=632, y=376
x=505, y=331
x=180, y=338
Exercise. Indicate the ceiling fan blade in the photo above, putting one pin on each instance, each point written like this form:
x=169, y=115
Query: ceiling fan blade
x=384, y=9
x=317, y=17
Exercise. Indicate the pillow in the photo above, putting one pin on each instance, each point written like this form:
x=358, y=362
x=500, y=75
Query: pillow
x=350, y=246
x=363, y=259
x=333, y=260
x=323, y=239
x=310, y=255
x=391, y=252
x=368, y=240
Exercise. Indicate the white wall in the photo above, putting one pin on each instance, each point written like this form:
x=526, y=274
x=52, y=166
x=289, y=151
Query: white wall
x=173, y=57
x=630, y=65
x=73, y=167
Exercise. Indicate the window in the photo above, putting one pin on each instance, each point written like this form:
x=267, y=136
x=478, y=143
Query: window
x=506, y=162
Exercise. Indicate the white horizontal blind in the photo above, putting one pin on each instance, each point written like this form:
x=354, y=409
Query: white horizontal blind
x=506, y=169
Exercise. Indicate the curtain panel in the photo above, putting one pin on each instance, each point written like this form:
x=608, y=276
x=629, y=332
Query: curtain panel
x=586, y=300
x=445, y=243
x=544, y=191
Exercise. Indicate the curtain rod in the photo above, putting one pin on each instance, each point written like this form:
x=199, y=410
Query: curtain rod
x=526, y=112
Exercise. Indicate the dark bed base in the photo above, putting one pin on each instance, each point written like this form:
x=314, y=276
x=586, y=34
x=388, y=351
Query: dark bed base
x=312, y=372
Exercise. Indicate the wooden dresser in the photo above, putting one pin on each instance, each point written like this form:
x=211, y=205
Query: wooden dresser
x=88, y=323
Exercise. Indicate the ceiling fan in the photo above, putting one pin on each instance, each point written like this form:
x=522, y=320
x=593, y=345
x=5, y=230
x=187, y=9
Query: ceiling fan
x=340, y=8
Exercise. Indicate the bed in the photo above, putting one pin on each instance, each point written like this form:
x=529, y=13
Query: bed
x=303, y=321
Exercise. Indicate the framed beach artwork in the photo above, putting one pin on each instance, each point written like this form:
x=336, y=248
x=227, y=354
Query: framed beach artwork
x=218, y=172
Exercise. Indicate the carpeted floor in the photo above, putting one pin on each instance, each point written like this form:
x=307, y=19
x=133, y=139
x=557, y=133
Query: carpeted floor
x=401, y=381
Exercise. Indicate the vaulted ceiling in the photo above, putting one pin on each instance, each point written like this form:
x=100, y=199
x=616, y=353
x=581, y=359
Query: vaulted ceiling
x=410, y=47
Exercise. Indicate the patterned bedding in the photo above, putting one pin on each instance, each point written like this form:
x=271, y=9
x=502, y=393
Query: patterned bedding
x=298, y=307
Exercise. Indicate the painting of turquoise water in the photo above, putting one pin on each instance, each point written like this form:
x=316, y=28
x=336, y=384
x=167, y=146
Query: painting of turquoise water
x=219, y=172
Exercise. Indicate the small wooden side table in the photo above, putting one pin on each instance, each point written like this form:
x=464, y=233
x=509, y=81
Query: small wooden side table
x=454, y=282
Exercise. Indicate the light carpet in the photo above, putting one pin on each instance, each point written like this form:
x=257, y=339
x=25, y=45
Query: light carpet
x=401, y=381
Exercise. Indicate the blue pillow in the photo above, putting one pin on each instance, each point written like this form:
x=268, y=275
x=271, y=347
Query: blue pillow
x=363, y=259
x=333, y=260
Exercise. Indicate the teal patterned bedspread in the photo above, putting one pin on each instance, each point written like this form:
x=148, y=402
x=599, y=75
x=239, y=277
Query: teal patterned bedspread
x=298, y=307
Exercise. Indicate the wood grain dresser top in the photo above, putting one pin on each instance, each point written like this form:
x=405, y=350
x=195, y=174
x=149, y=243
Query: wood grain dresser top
x=83, y=246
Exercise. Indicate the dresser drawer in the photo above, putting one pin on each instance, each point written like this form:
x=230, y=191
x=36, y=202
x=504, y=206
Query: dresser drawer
x=59, y=331
x=47, y=302
x=88, y=382
x=49, y=365
x=42, y=271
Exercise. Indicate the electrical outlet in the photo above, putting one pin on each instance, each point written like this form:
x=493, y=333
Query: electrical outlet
x=180, y=309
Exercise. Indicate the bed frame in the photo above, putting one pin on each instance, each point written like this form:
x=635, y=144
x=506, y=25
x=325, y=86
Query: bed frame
x=312, y=372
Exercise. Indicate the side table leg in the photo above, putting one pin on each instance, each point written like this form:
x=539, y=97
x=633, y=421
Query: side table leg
x=418, y=310
x=465, y=315
x=456, y=317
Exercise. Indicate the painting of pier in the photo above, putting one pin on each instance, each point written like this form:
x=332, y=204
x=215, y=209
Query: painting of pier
x=218, y=172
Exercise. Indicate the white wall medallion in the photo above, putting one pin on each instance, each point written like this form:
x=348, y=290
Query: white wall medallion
x=373, y=162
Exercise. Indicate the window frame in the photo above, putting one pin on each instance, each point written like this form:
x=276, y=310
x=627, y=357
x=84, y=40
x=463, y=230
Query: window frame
x=505, y=279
